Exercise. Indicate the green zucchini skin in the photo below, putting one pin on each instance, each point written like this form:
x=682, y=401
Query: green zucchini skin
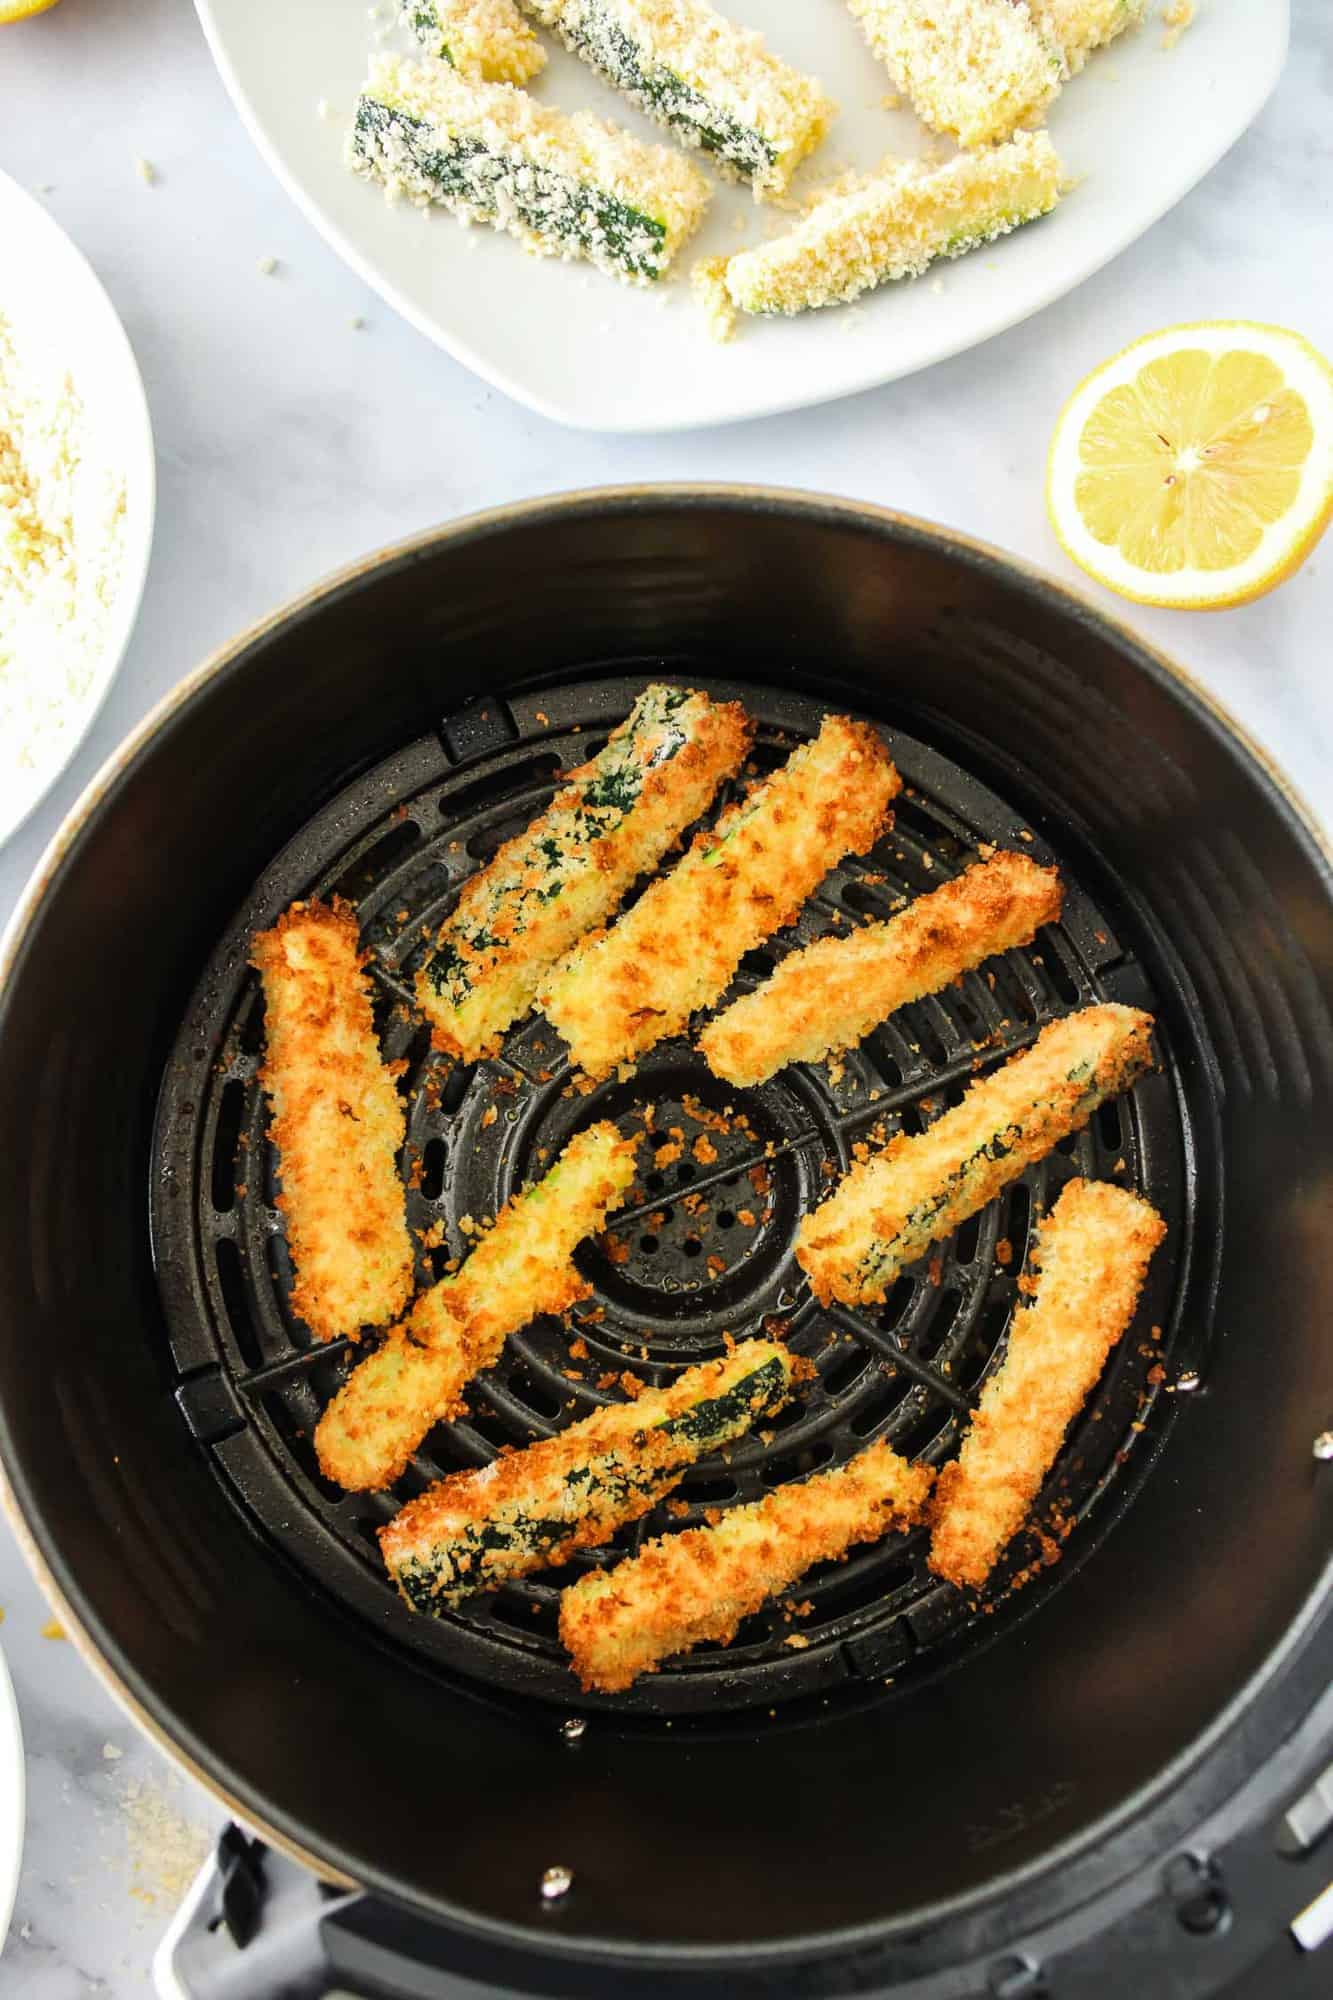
x=571, y=1501
x=586, y=220
x=603, y=44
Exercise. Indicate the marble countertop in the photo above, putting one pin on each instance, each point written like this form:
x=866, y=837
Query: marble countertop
x=291, y=439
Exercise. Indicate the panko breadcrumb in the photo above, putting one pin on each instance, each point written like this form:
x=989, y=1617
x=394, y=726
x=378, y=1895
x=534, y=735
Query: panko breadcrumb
x=699, y=1585
x=975, y=69
x=487, y=41
x=618, y=994
x=884, y=226
x=713, y=84
x=564, y=186
x=891, y=1207
x=523, y=1266
x=612, y=820
x=337, y=1123
x=1077, y=27
x=1092, y=1254
x=829, y=996
x=528, y=1510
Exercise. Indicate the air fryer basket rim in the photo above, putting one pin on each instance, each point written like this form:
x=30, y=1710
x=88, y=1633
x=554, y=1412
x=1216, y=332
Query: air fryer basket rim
x=118, y=1673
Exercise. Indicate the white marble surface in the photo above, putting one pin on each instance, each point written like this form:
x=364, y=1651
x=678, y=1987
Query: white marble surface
x=289, y=442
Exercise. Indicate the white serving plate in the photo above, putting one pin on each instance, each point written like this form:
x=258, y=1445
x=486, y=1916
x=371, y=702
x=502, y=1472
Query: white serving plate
x=1141, y=124
x=53, y=299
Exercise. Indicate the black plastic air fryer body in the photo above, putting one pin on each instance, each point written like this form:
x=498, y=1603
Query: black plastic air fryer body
x=968, y=1782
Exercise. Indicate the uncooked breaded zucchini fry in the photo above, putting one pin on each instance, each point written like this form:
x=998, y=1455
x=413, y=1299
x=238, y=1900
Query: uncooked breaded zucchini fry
x=882, y=226
x=564, y=186
x=487, y=41
x=1077, y=27
x=1092, y=1254
x=521, y=1267
x=530, y=1509
x=713, y=84
x=890, y=1209
x=618, y=994
x=683, y=1589
x=612, y=821
x=833, y=993
x=337, y=1124
x=972, y=68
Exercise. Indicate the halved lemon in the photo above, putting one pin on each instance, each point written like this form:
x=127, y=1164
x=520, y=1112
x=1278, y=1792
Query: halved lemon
x=18, y=10
x=1196, y=468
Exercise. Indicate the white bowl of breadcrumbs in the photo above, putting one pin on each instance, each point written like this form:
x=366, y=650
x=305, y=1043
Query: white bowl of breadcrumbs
x=76, y=500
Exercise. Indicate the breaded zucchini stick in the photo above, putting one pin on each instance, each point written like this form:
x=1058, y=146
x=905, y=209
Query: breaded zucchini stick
x=712, y=84
x=1092, y=1254
x=530, y=1509
x=683, y=1589
x=612, y=821
x=890, y=1209
x=521, y=1267
x=619, y=993
x=486, y=41
x=564, y=186
x=834, y=992
x=1077, y=27
x=873, y=228
x=975, y=69
x=337, y=1124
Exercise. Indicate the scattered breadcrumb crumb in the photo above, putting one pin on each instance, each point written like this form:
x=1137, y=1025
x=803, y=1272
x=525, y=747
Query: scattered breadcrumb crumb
x=53, y=1629
x=146, y=171
x=1177, y=15
x=267, y=266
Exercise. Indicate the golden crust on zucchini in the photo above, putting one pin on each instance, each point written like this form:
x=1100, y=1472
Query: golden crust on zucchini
x=521, y=1267
x=530, y=1509
x=337, y=1123
x=830, y=995
x=889, y=1209
x=620, y=992
x=699, y=1585
x=1092, y=1255
x=613, y=820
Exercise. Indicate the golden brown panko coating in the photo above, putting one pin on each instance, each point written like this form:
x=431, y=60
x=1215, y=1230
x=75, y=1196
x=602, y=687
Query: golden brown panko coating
x=889, y=1209
x=683, y=1589
x=337, y=1123
x=612, y=820
x=522, y=1266
x=1091, y=1258
x=833, y=993
x=620, y=992
x=530, y=1509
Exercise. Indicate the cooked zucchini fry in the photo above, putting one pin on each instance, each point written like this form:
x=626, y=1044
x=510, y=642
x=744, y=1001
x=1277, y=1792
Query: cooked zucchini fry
x=563, y=186
x=487, y=41
x=521, y=1267
x=1092, y=1254
x=699, y=1585
x=889, y=1210
x=337, y=1124
x=887, y=225
x=1077, y=27
x=613, y=821
x=972, y=68
x=714, y=85
x=619, y=993
x=834, y=992
x=529, y=1509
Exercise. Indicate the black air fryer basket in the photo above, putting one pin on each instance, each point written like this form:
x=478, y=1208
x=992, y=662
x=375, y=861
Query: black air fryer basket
x=898, y=1780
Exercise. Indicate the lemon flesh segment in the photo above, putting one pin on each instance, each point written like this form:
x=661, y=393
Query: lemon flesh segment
x=1203, y=475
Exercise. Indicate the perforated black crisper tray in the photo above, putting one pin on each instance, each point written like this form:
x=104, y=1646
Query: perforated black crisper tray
x=703, y=1251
